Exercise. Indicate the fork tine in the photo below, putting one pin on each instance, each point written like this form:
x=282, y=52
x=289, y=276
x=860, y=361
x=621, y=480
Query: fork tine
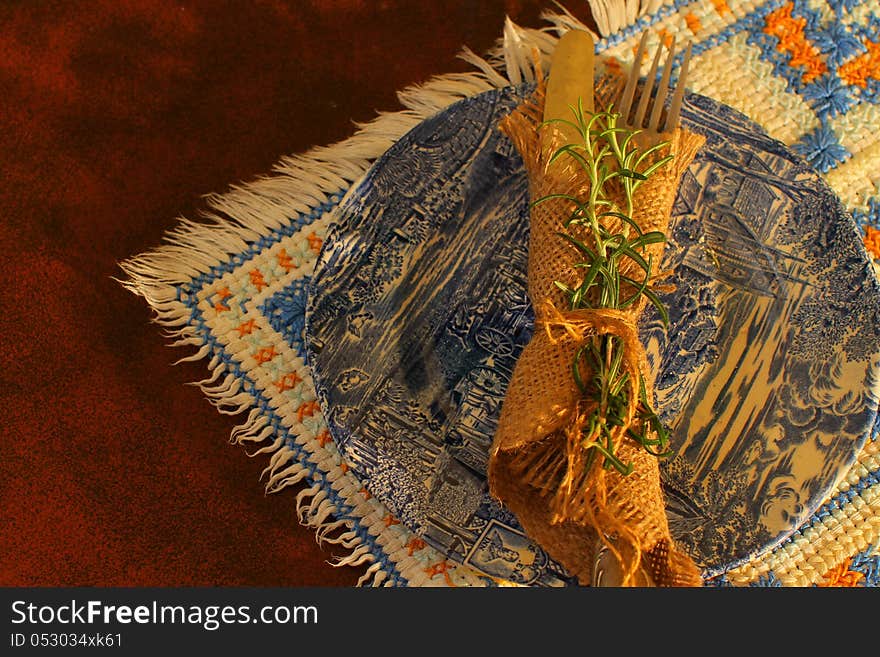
x=625, y=103
x=646, y=90
x=678, y=94
x=662, y=90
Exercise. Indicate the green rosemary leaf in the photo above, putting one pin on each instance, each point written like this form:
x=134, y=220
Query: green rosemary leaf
x=659, y=163
x=611, y=290
x=649, y=151
x=643, y=392
x=576, y=371
x=612, y=130
x=614, y=420
x=562, y=286
x=628, y=140
x=612, y=161
x=580, y=245
x=575, y=300
x=624, y=218
x=579, y=115
x=591, y=458
x=651, y=237
x=550, y=197
x=572, y=151
x=612, y=461
x=570, y=124
x=617, y=387
x=640, y=290
x=590, y=276
x=588, y=128
x=616, y=359
x=655, y=301
x=638, y=258
x=629, y=173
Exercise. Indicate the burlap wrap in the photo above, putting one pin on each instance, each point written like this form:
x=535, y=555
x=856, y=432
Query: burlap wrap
x=536, y=461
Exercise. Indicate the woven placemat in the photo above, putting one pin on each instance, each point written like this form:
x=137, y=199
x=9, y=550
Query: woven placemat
x=233, y=289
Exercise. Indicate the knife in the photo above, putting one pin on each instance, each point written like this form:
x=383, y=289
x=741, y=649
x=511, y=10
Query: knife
x=571, y=78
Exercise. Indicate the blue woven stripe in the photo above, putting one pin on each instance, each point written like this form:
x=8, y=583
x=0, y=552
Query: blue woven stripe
x=868, y=563
x=844, y=498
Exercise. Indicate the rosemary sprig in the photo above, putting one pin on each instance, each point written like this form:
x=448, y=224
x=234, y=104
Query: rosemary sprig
x=610, y=157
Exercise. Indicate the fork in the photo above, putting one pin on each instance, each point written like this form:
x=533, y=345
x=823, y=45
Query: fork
x=651, y=123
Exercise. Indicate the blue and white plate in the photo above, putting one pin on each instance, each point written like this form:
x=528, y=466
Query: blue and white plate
x=767, y=376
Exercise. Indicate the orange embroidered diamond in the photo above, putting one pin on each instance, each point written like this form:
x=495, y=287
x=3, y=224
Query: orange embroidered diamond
x=306, y=409
x=613, y=65
x=265, y=354
x=693, y=23
x=441, y=568
x=414, y=545
x=285, y=261
x=867, y=65
x=323, y=438
x=220, y=305
x=288, y=382
x=872, y=241
x=721, y=7
x=315, y=242
x=792, y=39
x=842, y=576
x=257, y=279
x=246, y=328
